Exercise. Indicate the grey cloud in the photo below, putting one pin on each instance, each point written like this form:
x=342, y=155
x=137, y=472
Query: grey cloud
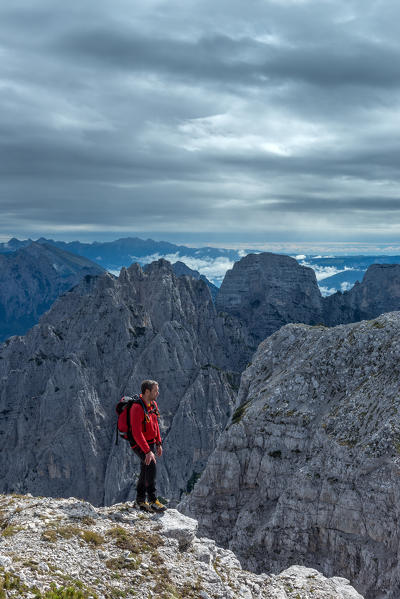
x=240, y=61
x=217, y=57
x=52, y=160
x=110, y=114
x=326, y=205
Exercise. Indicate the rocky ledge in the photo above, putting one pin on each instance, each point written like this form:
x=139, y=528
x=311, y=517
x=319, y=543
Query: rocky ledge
x=66, y=548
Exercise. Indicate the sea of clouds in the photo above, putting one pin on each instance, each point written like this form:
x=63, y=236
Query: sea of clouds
x=213, y=268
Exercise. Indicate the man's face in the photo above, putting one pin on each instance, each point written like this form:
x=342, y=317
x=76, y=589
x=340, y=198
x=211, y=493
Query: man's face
x=154, y=393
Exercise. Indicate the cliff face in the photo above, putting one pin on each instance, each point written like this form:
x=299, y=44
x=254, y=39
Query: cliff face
x=378, y=292
x=309, y=467
x=180, y=269
x=31, y=279
x=266, y=291
x=60, y=384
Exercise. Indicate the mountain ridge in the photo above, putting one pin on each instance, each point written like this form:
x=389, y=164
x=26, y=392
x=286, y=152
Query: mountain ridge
x=309, y=464
x=31, y=278
x=97, y=343
x=266, y=291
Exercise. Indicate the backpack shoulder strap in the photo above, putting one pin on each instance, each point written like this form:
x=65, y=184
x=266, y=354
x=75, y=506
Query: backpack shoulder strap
x=128, y=420
x=138, y=400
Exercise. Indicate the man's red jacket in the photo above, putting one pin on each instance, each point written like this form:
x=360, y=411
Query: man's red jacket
x=144, y=431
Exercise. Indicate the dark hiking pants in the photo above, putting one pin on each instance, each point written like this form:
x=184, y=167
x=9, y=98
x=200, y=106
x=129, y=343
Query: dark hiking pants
x=147, y=477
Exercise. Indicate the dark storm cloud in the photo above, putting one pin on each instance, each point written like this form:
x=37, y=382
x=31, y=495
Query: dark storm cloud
x=201, y=116
x=51, y=160
x=238, y=61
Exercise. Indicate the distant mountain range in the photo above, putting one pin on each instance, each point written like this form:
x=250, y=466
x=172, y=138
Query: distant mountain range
x=113, y=255
x=342, y=281
x=334, y=273
x=266, y=291
x=346, y=270
x=32, y=277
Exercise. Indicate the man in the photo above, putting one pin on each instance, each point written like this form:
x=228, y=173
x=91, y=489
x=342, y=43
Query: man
x=146, y=432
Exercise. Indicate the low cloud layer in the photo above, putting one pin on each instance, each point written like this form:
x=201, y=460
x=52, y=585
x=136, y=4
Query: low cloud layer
x=269, y=121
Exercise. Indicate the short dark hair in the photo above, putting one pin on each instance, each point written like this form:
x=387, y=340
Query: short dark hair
x=148, y=384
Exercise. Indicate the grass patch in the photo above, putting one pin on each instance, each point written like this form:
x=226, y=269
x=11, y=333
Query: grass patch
x=166, y=589
x=136, y=543
x=10, y=530
x=114, y=593
x=240, y=412
x=92, y=538
x=377, y=325
x=11, y=582
x=49, y=535
x=87, y=520
x=66, y=593
x=3, y=519
x=192, y=481
x=32, y=564
x=156, y=558
x=121, y=563
x=67, y=532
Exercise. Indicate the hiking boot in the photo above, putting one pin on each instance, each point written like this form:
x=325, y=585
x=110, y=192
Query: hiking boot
x=144, y=506
x=157, y=506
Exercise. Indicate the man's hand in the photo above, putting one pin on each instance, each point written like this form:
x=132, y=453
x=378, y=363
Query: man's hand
x=159, y=450
x=150, y=457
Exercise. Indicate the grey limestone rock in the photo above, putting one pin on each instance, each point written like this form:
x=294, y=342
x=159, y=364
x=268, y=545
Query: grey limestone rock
x=266, y=291
x=60, y=384
x=378, y=292
x=175, y=525
x=181, y=269
x=308, y=470
x=48, y=551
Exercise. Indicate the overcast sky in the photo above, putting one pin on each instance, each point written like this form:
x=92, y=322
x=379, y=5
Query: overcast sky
x=274, y=120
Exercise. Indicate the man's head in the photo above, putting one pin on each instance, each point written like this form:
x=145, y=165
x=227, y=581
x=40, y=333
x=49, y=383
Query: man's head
x=149, y=390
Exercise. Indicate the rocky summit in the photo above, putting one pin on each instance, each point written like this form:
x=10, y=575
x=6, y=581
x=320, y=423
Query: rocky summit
x=266, y=291
x=308, y=470
x=60, y=384
x=68, y=549
x=181, y=270
x=378, y=292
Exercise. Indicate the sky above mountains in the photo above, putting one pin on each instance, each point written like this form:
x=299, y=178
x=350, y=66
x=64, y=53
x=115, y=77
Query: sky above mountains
x=266, y=121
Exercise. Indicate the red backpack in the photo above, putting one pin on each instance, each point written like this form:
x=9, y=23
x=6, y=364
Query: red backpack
x=123, y=409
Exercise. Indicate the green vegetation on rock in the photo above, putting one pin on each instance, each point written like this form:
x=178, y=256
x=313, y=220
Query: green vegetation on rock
x=240, y=412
